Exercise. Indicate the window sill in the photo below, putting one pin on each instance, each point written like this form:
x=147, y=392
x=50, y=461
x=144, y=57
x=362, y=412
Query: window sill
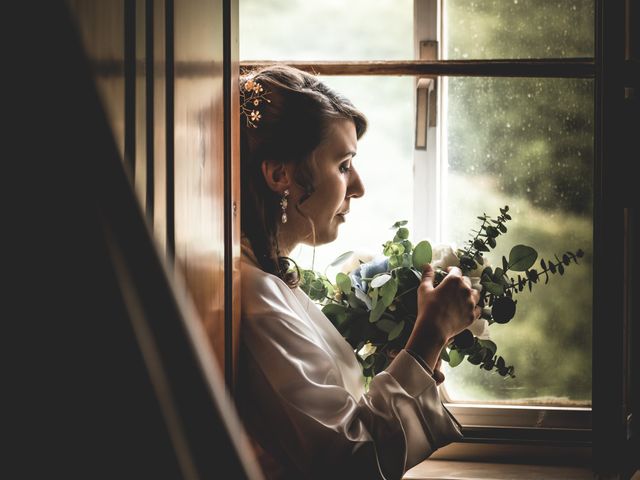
x=462, y=470
x=471, y=461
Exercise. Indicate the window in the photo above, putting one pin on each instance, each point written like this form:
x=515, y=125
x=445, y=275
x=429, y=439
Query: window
x=528, y=143
x=507, y=130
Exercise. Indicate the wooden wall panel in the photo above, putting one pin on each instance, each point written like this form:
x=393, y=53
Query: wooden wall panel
x=101, y=25
x=168, y=74
x=158, y=64
x=140, y=99
x=199, y=160
x=232, y=55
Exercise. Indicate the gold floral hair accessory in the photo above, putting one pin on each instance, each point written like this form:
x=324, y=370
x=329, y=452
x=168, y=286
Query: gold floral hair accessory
x=252, y=94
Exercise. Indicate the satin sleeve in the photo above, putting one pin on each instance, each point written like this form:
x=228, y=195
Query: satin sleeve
x=296, y=388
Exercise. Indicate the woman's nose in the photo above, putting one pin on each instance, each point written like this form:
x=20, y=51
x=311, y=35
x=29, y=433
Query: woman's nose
x=356, y=187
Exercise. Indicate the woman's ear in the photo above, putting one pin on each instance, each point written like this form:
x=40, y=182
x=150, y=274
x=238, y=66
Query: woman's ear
x=278, y=175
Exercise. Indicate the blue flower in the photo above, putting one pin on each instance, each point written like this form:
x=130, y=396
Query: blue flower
x=368, y=270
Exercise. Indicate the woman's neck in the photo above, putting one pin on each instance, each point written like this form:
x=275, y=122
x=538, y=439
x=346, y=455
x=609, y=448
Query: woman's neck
x=286, y=243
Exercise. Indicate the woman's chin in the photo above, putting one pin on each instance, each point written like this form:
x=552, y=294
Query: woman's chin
x=325, y=236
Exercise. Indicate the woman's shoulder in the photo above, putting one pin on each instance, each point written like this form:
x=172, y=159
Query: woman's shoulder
x=253, y=277
x=262, y=290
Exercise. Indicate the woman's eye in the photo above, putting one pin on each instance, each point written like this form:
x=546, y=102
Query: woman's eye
x=345, y=167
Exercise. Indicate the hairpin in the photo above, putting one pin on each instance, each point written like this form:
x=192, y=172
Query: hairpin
x=252, y=94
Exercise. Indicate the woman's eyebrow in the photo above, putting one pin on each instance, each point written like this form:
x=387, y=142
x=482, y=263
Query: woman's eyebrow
x=349, y=153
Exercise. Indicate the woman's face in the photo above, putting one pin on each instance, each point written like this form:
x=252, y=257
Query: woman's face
x=336, y=182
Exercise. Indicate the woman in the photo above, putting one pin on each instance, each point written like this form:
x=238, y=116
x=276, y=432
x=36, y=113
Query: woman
x=301, y=390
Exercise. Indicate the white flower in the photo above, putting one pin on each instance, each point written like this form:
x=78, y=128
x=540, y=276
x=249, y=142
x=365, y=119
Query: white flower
x=354, y=261
x=444, y=256
x=480, y=328
x=366, y=350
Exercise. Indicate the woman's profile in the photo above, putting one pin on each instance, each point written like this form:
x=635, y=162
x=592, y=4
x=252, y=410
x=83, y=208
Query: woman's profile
x=301, y=390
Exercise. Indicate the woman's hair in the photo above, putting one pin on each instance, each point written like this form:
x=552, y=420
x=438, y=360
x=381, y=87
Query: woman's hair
x=294, y=120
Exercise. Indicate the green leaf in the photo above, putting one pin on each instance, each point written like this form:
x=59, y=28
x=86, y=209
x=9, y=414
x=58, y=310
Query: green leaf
x=333, y=309
x=521, y=258
x=388, y=291
x=503, y=309
x=355, y=302
x=444, y=355
x=403, y=233
x=386, y=325
x=380, y=280
x=368, y=362
x=492, y=232
x=377, y=312
x=494, y=288
x=317, y=290
x=373, y=294
x=422, y=255
x=400, y=223
x=464, y=339
x=397, y=330
x=488, y=344
x=476, y=357
x=344, y=282
x=455, y=358
x=341, y=258
x=363, y=297
x=395, y=261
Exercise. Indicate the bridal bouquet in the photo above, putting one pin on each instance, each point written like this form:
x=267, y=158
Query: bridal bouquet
x=373, y=303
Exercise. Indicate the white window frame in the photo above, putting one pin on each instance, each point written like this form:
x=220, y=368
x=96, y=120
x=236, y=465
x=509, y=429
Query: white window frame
x=486, y=423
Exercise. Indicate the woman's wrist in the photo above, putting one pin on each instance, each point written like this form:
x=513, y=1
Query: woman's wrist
x=428, y=346
x=420, y=360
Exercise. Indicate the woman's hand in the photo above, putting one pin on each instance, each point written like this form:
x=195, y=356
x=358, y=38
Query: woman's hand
x=443, y=312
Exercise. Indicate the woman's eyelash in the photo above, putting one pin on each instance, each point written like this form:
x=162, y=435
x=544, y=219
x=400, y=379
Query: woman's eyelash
x=344, y=168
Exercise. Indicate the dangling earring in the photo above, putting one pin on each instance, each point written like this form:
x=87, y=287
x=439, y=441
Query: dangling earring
x=283, y=205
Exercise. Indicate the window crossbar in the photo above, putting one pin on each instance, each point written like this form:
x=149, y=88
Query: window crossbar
x=543, y=68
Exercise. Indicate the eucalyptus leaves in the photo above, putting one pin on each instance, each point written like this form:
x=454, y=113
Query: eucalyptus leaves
x=374, y=305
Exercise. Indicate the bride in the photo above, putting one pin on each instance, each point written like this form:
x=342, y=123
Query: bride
x=301, y=391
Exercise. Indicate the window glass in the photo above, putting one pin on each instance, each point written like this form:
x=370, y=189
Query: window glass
x=484, y=29
x=384, y=161
x=326, y=30
x=527, y=143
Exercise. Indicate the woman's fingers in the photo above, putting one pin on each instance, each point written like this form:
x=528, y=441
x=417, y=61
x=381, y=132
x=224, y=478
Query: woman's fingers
x=475, y=296
x=455, y=271
x=428, y=276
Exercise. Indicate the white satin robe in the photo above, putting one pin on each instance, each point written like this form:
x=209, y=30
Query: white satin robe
x=301, y=392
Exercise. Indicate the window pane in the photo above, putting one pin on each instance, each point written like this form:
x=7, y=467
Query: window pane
x=326, y=30
x=527, y=143
x=484, y=29
x=385, y=163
